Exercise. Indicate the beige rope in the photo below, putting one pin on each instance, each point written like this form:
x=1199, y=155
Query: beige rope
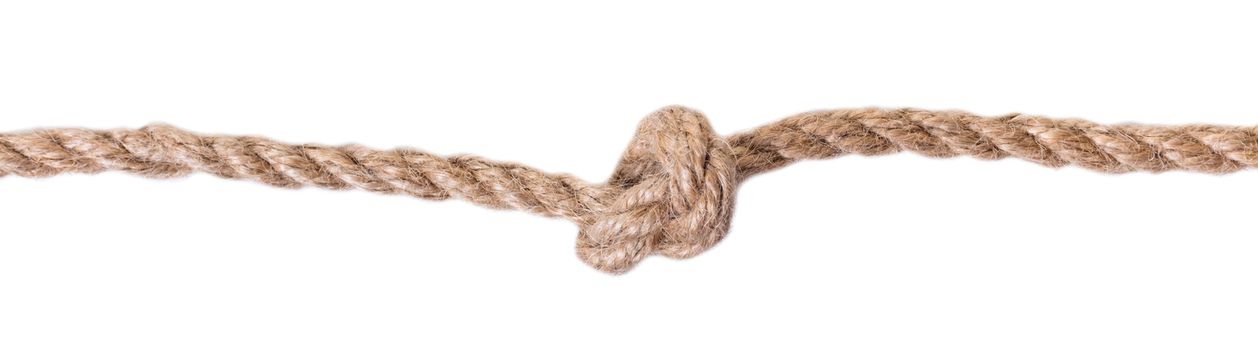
x=672, y=193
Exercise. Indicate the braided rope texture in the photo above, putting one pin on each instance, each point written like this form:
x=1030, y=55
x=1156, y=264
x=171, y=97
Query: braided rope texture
x=672, y=193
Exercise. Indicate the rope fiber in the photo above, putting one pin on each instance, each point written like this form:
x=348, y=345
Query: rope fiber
x=672, y=193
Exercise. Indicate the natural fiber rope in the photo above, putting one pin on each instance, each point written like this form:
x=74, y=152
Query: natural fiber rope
x=673, y=191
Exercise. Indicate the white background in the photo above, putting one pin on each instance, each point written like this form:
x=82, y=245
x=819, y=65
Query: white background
x=865, y=253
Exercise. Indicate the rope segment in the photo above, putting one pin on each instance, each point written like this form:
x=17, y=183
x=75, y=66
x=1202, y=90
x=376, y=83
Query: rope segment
x=672, y=193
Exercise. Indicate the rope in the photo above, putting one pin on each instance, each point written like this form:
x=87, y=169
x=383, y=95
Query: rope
x=672, y=193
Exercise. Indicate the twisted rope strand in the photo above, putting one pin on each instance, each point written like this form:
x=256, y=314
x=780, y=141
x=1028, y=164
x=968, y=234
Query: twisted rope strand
x=672, y=193
x=161, y=151
x=1053, y=143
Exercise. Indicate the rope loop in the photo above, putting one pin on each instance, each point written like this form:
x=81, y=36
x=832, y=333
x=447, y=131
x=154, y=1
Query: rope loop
x=673, y=194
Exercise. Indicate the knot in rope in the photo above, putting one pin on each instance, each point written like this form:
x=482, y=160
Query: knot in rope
x=672, y=194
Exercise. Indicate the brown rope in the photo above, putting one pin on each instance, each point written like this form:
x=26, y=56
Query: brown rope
x=672, y=193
